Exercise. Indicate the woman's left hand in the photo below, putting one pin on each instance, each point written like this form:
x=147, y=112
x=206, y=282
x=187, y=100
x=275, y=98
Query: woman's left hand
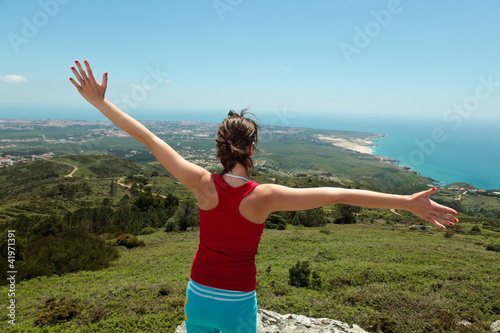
x=89, y=88
x=439, y=215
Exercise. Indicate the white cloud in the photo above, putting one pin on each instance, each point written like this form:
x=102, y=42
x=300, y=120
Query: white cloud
x=285, y=69
x=13, y=78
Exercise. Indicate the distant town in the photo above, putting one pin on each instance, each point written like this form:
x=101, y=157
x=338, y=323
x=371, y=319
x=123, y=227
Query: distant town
x=23, y=141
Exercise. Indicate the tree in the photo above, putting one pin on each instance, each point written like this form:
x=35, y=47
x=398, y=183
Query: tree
x=299, y=274
x=275, y=221
x=346, y=214
x=187, y=215
x=112, y=189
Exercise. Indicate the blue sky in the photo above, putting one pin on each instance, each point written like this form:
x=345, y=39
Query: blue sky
x=336, y=57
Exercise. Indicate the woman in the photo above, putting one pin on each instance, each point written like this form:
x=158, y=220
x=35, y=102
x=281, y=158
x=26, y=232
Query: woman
x=233, y=209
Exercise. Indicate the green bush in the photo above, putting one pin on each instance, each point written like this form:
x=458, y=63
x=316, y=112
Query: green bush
x=50, y=247
x=57, y=311
x=129, y=241
x=493, y=247
x=299, y=274
x=172, y=225
x=346, y=214
x=148, y=231
x=316, y=282
x=475, y=229
x=134, y=242
x=187, y=215
x=384, y=324
x=275, y=221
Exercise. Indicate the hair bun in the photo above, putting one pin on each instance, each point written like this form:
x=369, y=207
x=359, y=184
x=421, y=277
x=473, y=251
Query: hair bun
x=232, y=114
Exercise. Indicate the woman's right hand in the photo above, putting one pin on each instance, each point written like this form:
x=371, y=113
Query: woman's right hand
x=89, y=88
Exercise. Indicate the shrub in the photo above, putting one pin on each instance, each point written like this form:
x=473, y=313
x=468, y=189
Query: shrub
x=53, y=248
x=493, y=247
x=187, y=215
x=122, y=239
x=57, y=311
x=148, y=231
x=382, y=324
x=299, y=274
x=316, y=282
x=128, y=240
x=48, y=226
x=475, y=229
x=164, y=291
x=172, y=225
x=134, y=242
x=275, y=221
x=346, y=214
x=71, y=250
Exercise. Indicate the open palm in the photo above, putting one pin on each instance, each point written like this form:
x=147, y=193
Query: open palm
x=89, y=88
x=431, y=211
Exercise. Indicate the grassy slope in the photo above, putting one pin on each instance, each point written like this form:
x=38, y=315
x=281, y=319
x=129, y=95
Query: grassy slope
x=418, y=280
x=25, y=187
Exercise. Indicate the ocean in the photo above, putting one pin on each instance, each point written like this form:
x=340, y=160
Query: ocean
x=466, y=151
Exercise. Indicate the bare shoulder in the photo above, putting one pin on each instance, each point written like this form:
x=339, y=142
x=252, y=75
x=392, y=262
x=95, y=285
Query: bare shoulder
x=268, y=191
x=206, y=193
x=265, y=194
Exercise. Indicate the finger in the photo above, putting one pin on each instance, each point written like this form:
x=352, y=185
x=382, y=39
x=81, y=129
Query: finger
x=444, y=208
x=446, y=216
x=443, y=221
x=436, y=223
x=77, y=86
x=81, y=70
x=77, y=75
x=89, y=70
x=105, y=81
x=429, y=192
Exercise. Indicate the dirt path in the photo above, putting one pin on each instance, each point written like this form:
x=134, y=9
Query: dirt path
x=75, y=168
x=128, y=186
x=394, y=211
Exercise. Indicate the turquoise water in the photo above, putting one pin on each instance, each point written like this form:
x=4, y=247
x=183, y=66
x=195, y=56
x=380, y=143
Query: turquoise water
x=434, y=148
x=443, y=151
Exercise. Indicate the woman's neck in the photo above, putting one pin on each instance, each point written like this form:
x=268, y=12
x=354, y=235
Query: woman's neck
x=239, y=170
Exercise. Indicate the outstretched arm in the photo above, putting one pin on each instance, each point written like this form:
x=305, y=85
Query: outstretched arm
x=188, y=173
x=281, y=198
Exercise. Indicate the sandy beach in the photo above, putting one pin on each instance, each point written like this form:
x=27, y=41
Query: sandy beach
x=354, y=144
x=362, y=146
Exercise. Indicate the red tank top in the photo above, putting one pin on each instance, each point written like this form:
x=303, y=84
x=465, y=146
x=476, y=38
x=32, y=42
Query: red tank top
x=228, y=242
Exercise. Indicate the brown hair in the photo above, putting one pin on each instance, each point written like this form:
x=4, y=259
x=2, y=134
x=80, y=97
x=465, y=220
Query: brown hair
x=235, y=136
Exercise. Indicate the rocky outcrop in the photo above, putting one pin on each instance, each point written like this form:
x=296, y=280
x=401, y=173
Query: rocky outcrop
x=272, y=322
x=495, y=327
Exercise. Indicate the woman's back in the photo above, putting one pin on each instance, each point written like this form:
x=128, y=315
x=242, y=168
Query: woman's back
x=228, y=241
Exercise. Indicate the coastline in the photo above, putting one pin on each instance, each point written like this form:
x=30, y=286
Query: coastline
x=365, y=146
x=359, y=145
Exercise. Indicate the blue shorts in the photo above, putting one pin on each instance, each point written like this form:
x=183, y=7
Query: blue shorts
x=217, y=310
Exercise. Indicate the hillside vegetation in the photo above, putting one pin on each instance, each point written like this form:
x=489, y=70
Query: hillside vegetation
x=381, y=270
x=385, y=278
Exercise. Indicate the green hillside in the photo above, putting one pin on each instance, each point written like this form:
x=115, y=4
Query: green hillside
x=382, y=277
x=62, y=221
